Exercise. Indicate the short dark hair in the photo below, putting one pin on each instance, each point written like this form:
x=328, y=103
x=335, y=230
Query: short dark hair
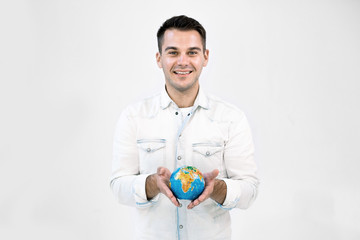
x=182, y=23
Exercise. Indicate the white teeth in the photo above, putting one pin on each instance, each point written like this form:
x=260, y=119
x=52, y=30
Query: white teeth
x=183, y=73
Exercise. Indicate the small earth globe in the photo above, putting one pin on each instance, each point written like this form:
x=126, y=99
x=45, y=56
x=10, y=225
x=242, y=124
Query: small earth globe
x=187, y=183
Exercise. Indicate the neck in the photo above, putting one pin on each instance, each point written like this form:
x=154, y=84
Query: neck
x=183, y=99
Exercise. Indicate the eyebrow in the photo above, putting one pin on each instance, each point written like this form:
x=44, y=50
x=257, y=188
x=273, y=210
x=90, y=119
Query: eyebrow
x=195, y=48
x=170, y=48
x=175, y=48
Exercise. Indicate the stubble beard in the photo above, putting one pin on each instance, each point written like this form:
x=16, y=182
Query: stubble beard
x=182, y=89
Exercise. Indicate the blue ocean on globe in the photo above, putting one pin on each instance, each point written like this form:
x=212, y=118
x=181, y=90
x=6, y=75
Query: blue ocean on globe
x=187, y=183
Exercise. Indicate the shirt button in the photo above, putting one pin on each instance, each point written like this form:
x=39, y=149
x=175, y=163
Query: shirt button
x=176, y=113
x=148, y=149
x=179, y=158
x=181, y=226
x=188, y=114
x=207, y=153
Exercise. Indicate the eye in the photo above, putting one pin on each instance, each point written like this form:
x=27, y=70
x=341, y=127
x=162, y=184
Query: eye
x=192, y=52
x=172, y=53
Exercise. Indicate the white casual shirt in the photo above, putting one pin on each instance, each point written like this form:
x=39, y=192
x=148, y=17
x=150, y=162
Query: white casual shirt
x=213, y=135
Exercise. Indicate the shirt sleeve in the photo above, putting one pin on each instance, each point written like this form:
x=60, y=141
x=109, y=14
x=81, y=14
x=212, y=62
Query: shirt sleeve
x=242, y=181
x=126, y=182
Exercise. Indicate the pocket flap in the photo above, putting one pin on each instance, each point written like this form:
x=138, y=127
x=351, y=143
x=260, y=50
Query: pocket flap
x=207, y=149
x=151, y=145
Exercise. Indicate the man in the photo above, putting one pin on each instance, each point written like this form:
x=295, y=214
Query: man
x=182, y=126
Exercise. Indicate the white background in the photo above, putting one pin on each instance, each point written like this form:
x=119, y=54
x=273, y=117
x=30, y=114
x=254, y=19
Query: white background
x=68, y=68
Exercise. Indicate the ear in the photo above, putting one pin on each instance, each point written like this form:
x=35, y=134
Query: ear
x=158, y=59
x=206, y=57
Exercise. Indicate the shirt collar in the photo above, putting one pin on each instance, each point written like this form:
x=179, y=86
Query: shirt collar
x=201, y=100
x=165, y=99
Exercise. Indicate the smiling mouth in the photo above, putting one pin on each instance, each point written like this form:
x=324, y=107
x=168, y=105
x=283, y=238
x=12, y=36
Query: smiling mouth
x=182, y=72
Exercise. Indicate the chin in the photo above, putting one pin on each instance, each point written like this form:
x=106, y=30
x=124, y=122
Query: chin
x=182, y=85
x=184, y=88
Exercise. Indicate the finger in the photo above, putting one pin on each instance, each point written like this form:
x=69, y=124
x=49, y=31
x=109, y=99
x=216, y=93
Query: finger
x=201, y=198
x=194, y=203
x=173, y=199
x=164, y=188
x=197, y=201
x=191, y=205
x=168, y=193
x=207, y=191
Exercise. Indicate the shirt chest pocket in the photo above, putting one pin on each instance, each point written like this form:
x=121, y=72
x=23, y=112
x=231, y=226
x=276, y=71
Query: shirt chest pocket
x=151, y=154
x=208, y=156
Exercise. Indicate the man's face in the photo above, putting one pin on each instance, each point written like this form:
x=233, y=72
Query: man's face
x=182, y=59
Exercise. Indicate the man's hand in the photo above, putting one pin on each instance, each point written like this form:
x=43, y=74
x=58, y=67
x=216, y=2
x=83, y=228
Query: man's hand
x=214, y=188
x=159, y=182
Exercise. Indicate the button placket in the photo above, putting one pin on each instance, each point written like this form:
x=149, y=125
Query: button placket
x=182, y=219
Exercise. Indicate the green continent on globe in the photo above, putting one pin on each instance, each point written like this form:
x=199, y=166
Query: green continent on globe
x=187, y=176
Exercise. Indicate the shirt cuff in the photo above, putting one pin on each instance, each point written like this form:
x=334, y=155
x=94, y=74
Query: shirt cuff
x=140, y=192
x=232, y=194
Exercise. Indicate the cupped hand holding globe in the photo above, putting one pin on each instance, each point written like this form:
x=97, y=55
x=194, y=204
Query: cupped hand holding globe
x=162, y=179
x=210, y=179
x=162, y=184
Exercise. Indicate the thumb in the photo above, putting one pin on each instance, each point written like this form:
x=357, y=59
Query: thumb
x=160, y=171
x=211, y=175
x=215, y=173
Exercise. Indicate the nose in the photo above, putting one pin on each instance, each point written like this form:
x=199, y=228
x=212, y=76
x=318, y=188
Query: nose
x=183, y=60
